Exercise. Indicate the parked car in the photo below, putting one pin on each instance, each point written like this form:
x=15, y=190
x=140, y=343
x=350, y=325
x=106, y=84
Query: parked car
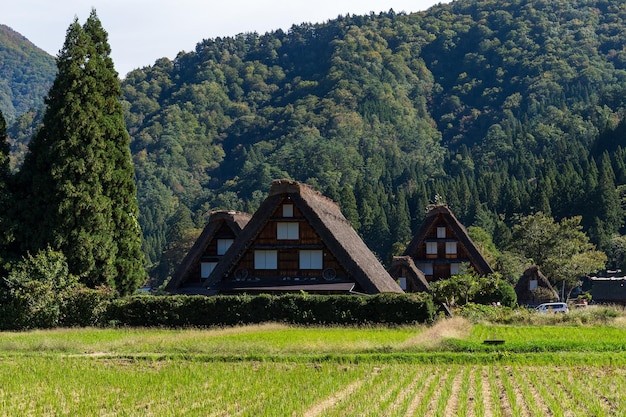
x=552, y=308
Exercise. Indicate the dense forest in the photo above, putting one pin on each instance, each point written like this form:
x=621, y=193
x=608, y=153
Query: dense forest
x=26, y=74
x=499, y=108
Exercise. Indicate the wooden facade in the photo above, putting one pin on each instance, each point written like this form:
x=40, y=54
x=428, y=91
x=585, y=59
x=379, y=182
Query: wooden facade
x=408, y=276
x=289, y=251
x=218, y=235
x=533, y=288
x=298, y=240
x=442, y=246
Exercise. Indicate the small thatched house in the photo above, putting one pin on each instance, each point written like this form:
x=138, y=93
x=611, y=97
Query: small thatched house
x=533, y=288
x=408, y=276
x=218, y=235
x=442, y=245
x=298, y=240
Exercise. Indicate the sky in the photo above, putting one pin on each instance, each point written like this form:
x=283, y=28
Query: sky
x=142, y=31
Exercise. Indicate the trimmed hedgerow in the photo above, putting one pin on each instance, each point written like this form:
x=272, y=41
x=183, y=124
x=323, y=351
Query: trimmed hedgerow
x=200, y=311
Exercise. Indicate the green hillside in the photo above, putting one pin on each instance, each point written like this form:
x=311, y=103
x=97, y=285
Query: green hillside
x=501, y=108
x=26, y=74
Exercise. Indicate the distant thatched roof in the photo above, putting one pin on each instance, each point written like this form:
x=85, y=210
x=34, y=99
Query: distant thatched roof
x=325, y=217
x=405, y=263
x=522, y=288
x=476, y=258
x=235, y=220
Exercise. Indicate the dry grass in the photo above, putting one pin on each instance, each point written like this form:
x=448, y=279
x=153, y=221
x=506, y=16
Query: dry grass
x=434, y=336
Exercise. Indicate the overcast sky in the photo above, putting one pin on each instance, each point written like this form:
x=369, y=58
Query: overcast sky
x=142, y=31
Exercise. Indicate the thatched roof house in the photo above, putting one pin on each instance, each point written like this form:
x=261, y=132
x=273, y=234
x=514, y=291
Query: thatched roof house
x=533, y=288
x=410, y=278
x=220, y=232
x=298, y=240
x=442, y=245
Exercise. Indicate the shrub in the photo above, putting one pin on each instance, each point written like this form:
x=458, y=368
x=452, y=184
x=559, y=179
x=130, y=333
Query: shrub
x=199, y=311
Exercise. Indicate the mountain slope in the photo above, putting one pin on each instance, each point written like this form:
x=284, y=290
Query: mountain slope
x=26, y=74
x=472, y=100
x=499, y=107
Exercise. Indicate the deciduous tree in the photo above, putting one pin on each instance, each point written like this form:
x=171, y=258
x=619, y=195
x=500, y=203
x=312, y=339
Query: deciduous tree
x=561, y=250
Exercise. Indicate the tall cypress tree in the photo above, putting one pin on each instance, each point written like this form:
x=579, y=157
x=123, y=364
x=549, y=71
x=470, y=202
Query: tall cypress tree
x=6, y=225
x=78, y=171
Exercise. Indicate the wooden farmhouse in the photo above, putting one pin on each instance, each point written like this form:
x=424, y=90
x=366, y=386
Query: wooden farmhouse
x=533, y=288
x=442, y=245
x=408, y=275
x=218, y=235
x=298, y=240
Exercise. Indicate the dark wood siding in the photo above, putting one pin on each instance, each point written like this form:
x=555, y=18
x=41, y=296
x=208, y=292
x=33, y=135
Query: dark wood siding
x=288, y=250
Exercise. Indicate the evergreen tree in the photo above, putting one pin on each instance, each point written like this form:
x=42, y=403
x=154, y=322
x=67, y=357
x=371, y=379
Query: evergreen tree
x=78, y=173
x=5, y=197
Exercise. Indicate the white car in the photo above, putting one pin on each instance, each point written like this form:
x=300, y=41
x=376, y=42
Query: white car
x=552, y=308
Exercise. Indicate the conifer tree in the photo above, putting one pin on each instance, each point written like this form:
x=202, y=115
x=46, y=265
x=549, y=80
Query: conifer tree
x=5, y=198
x=78, y=171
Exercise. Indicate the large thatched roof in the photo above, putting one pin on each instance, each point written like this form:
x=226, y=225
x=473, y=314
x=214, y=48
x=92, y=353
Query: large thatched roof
x=336, y=232
x=234, y=220
x=444, y=213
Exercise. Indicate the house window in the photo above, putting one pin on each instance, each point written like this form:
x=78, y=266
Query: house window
x=532, y=284
x=287, y=230
x=441, y=232
x=223, y=245
x=450, y=248
x=311, y=259
x=431, y=248
x=455, y=269
x=427, y=269
x=287, y=210
x=206, y=268
x=265, y=259
x=402, y=282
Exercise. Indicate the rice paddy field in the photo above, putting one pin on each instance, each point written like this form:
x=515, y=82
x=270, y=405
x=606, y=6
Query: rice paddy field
x=278, y=370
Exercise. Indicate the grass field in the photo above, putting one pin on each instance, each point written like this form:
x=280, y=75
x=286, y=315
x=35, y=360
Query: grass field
x=277, y=370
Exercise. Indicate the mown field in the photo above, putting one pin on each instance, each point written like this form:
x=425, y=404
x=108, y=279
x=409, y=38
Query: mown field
x=278, y=370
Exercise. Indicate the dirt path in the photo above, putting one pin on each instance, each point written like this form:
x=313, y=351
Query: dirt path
x=319, y=408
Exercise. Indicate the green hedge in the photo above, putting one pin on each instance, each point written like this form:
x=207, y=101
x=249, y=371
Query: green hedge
x=36, y=306
x=201, y=311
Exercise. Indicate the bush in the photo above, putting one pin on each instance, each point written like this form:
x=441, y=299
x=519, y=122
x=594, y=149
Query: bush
x=201, y=311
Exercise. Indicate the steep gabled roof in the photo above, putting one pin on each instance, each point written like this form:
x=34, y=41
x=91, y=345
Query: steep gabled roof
x=336, y=232
x=401, y=263
x=443, y=212
x=522, y=287
x=234, y=220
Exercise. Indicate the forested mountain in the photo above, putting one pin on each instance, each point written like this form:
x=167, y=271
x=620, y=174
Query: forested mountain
x=26, y=74
x=501, y=108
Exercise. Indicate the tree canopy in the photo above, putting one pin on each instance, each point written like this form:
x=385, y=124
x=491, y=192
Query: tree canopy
x=560, y=249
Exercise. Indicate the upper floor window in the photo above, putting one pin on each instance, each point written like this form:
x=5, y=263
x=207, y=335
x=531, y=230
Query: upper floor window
x=265, y=259
x=455, y=269
x=441, y=232
x=223, y=245
x=311, y=259
x=287, y=230
x=431, y=248
x=402, y=282
x=287, y=210
x=427, y=269
x=450, y=248
x=206, y=268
